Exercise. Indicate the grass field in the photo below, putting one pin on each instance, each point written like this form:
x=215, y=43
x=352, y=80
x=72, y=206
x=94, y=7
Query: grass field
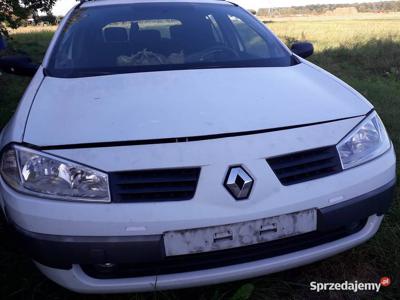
x=364, y=53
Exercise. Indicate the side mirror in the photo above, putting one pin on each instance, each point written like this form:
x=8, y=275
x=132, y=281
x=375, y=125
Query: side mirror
x=19, y=65
x=303, y=49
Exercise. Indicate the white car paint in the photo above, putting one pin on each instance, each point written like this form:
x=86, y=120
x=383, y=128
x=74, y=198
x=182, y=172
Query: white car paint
x=210, y=207
x=155, y=105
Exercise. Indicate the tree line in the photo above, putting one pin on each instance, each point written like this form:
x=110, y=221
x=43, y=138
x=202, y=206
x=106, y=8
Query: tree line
x=319, y=9
x=14, y=13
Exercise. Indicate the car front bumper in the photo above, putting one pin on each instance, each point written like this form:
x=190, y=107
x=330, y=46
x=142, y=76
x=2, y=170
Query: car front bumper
x=141, y=265
x=77, y=280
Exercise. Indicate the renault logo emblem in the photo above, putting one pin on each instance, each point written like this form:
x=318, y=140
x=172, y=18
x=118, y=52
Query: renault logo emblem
x=239, y=183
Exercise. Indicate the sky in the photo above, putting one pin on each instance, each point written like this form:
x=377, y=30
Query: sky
x=62, y=6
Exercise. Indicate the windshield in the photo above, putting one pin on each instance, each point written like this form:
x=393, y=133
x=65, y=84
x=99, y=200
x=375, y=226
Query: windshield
x=113, y=39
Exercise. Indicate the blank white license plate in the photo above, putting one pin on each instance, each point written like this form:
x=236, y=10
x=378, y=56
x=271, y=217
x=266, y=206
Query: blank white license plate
x=230, y=236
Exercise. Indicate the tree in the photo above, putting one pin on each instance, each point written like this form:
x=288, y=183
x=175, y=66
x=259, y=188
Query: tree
x=319, y=9
x=49, y=19
x=14, y=12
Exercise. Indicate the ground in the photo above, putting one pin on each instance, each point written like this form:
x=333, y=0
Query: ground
x=365, y=54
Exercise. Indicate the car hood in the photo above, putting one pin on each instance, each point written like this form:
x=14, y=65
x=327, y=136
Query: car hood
x=189, y=103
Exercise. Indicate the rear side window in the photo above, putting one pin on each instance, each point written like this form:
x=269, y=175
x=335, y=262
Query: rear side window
x=111, y=39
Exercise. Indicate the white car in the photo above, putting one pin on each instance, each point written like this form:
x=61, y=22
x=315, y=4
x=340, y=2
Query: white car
x=179, y=143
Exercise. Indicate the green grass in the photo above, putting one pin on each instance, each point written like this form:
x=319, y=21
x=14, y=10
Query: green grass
x=366, y=54
x=12, y=87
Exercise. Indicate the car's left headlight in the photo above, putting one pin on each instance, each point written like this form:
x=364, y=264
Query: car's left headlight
x=40, y=174
x=364, y=143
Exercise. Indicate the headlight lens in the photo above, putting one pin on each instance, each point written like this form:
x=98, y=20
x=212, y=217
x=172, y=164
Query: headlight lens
x=366, y=142
x=37, y=173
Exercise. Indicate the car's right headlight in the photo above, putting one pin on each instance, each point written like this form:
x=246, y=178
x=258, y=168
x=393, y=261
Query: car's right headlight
x=364, y=143
x=44, y=175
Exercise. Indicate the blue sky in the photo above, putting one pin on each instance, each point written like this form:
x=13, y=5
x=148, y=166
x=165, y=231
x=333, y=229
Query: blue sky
x=62, y=6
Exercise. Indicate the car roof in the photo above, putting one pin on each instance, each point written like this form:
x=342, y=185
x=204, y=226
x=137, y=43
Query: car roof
x=113, y=2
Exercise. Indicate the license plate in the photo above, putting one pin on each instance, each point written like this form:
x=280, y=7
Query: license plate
x=236, y=235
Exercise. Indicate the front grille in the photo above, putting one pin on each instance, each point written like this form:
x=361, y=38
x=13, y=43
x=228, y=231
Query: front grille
x=216, y=259
x=154, y=185
x=306, y=165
